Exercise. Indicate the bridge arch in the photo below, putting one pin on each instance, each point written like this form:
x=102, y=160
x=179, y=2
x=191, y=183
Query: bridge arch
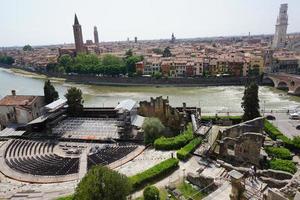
x=282, y=85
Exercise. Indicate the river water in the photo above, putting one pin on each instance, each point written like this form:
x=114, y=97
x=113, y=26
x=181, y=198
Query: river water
x=211, y=99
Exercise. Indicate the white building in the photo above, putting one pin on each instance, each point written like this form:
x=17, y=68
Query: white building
x=279, y=39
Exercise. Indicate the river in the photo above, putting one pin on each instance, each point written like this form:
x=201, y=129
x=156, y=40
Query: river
x=211, y=99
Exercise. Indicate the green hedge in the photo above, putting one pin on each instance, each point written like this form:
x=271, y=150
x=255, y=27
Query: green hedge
x=279, y=152
x=283, y=165
x=160, y=170
x=234, y=119
x=173, y=143
x=185, y=151
x=274, y=133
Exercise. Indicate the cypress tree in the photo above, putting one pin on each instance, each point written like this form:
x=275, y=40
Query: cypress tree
x=250, y=103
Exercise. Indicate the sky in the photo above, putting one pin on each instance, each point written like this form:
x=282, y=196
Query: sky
x=44, y=22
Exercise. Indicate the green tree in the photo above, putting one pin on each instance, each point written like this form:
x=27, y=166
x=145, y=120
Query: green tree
x=167, y=52
x=157, y=51
x=128, y=53
x=87, y=63
x=151, y=193
x=157, y=75
x=250, y=102
x=153, y=129
x=112, y=65
x=103, y=183
x=254, y=71
x=130, y=63
x=7, y=60
x=66, y=62
x=27, y=48
x=49, y=92
x=74, y=101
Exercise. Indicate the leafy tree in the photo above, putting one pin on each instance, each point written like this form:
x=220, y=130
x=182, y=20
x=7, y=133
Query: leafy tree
x=157, y=51
x=157, y=75
x=66, y=62
x=112, y=65
x=153, y=129
x=103, y=183
x=130, y=63
x=167, y=52
x=128, y=53
x=86, y=63
x=74, y=101
x=49, y=92
x=7, y=60
x=151, y=193
x=250, y=103
x=27, y=48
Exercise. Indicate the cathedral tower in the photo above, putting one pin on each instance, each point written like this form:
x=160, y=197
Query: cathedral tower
x=96, y=38
x=78, y=37
x=279, y=39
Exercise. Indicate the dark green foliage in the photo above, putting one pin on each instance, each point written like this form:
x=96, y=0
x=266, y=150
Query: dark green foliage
x=275, y=134
x=130, y=63
x=279, y=152
x=250, y=103
x=49, y=92
x=157, y=75
x=296, y=142
x=283, y=165
x=91, y=64
x=103, y=183
x=74, y=101
x=253, y=71
x=167, y=52
x=185, y=152
x=153, y=129
x=214, y=119
x=158, y=171
x=27, y=48
x=8, y=60
x=151, y=193
x=176, y=142
x=157, y=51
x=66, y=62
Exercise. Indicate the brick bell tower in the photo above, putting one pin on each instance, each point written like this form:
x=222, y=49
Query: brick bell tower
x=80, y=48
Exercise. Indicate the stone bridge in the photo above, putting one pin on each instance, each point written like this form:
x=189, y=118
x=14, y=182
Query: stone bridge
x=286, y=81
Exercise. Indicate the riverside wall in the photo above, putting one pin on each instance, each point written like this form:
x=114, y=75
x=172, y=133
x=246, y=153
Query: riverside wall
x=145, y=81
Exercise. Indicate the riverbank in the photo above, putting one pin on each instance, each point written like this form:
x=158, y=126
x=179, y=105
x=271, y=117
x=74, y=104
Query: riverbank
x=136, y=81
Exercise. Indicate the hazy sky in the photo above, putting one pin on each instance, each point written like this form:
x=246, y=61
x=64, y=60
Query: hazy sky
x=39, y=22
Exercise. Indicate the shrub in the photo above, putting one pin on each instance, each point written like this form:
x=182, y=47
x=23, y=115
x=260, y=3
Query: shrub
x=160, y=170
x=176, y=142
x=214, y=119
x=151, y=193
x=283, y=165
x=103, y=183
x=279, y=152
x=153, y=129
x=185, y=151
x=274, y=133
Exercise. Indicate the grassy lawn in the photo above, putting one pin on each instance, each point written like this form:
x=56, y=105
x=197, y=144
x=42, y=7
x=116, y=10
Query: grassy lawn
x=188, y=190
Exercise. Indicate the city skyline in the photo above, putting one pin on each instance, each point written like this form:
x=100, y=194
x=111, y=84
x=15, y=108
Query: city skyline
x=54, y=25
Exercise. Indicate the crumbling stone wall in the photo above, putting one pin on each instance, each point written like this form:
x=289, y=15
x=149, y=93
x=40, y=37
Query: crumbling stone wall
x=161, y=109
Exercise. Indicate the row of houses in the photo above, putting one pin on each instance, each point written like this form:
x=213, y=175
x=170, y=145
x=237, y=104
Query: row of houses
x=217, y=65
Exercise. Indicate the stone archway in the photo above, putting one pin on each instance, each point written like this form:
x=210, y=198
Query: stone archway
x=282, y=85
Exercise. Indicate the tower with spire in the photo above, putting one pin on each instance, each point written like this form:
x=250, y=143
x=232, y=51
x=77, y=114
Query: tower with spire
x=96, y=37
x=173, y=38
x=279, y=39
x=79, y=45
